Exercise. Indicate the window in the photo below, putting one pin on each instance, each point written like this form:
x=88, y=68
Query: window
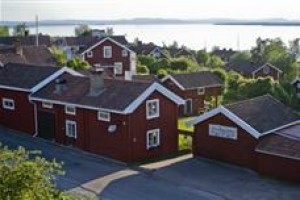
x=188, y=106
x=124, y=53
x=103, y=116
x=89, y=54
x=71, y=110
x=201, y=90
x=47, y=105
x=118, y=69
x=71, y=129
x=223, y=131
x=266, y=70
x=153, y=138
x=107, y=52
x=8, y=104
x=152, y=109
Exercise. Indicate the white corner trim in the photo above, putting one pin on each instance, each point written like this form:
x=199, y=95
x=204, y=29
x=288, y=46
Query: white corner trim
x=154, y=87
x=53, y=76
x=173, y=80
x=103, y=40
x=268, y=64
x=229, y=115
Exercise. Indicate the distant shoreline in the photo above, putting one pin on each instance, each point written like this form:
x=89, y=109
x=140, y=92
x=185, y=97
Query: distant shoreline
x=158, y=21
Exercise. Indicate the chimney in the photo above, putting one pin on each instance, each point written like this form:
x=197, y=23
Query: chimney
x=60, y=86
x=18, y=47
x=96, y=82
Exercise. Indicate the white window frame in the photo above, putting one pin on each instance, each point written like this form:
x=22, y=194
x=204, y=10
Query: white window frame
x=105, y=48
x=124, y=53
x=89, y=54
x=10, y=101
x=150, y=132
x=118, y=65
x=72, y=123
x=47, y=105
x=218, y=133
x=107, y=119
x=156, y=115
x=67, y=111
x=201, y=90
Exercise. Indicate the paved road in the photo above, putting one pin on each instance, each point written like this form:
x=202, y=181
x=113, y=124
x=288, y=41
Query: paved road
x=100, y=178
x=228, y=181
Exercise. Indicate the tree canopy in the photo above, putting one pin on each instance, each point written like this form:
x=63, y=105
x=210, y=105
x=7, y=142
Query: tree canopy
x=4, y=31
x=24, y=175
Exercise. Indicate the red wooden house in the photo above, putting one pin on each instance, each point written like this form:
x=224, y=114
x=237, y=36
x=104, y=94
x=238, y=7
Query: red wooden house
x=195, y=88
x=260, y=133
x=111, y=53
x=124, y=120
x=17, y=82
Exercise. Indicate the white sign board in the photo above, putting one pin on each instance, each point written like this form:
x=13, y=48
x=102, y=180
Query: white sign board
x=223, y=131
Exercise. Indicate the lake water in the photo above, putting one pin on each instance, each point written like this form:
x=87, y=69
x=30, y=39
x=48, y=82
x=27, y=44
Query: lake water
x=193, y=36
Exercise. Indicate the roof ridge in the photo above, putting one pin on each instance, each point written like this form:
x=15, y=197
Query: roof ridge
x=251, y=99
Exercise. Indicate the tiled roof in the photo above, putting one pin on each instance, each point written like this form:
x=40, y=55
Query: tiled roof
x=38, y=55
x=11, y=58
x=115, y=95
x=26, y=40
x=147, y=78
x=280, y=145
x=197, y=79
x=24, y=76
x=263, y=113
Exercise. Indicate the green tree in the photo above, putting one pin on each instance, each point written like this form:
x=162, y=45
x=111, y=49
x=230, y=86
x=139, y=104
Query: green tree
x=240, y=57
x=4, y=31
x=83, y=30
x=78, y=64
x=161, y=73
x=24, y=175
x=59, y=55
x=202, y=57
x=142, y=69
x=215, y=62
x=21, y=30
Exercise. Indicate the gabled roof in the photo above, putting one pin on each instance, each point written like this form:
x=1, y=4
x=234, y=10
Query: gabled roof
x=25, y=77
x=258, y=116
x=118, y=40
x=248, y=68
x=117, y=96
x=11, y=58
x=194, y=80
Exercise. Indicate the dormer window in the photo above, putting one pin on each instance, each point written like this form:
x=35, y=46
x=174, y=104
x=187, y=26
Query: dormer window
x=124, y=53
x=152, y=108
x=201, y=90
x=107, y=52
x=89, y=54
x=70, y=110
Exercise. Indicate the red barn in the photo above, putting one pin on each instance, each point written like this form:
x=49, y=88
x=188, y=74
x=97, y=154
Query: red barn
x=111, y=53
x=195, y=88
x=120, y=119
x=258, y=133
x=17, y=82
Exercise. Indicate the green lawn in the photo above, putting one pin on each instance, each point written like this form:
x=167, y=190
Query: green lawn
x=182, y=124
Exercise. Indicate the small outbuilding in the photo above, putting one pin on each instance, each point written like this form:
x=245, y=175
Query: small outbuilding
x=260, y=133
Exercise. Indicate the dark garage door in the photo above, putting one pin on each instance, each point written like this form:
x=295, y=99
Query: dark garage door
x=46, y=125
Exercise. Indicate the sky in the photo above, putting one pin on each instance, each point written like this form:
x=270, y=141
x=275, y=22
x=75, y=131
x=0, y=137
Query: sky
x=25, y=10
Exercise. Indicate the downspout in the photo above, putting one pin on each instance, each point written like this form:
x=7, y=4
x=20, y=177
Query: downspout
x=35, y=119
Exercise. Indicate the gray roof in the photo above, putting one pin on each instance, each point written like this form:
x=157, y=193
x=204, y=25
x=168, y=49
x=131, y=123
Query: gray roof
x=197, y=79
x=26, y=40
x=263, y=113
x=115, y=95
x=24, y=76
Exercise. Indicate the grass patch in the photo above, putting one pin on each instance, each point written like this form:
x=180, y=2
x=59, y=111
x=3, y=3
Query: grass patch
x=182, y=124
x=185, y=143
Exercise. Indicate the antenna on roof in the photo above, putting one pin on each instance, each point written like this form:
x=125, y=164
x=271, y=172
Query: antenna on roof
x=37, y=30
